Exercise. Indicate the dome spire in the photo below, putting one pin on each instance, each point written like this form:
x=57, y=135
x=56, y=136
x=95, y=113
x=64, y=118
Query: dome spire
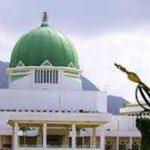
x=44, y=20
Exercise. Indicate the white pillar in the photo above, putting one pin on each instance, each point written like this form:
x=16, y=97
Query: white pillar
x=102, y=141
x=15, y=136
x=73, y=136
x=117, y=143
x=94, y=137
x=44, y=135
x=130, y=143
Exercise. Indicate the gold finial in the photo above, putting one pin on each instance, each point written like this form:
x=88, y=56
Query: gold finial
x=131, y=75
x=44, y=19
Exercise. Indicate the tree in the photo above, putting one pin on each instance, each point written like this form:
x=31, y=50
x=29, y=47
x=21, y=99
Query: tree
x=24, y=130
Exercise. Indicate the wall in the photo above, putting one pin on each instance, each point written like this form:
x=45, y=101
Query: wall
x=49, y=99
x=64, y=83
x=121, y=123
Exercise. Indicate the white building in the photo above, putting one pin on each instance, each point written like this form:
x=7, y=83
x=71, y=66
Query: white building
x=47, y=105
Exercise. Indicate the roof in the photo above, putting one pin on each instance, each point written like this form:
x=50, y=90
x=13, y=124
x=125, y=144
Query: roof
x=41, y=44
x=81, y=118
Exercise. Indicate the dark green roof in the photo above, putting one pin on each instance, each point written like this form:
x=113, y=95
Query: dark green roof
x=41, y=44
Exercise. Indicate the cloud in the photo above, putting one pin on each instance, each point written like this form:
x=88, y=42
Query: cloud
x=7, y=41
x=98, y=55
x=84, y=17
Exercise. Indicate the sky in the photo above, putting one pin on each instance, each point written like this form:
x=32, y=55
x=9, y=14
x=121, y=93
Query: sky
x=103, y=32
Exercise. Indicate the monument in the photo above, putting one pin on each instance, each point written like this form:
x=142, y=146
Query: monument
x=142, y=123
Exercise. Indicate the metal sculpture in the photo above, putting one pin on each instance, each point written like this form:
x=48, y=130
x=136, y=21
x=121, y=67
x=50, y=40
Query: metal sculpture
x=142, y=123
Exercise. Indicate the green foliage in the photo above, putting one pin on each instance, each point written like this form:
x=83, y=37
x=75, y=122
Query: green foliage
x=25, y=129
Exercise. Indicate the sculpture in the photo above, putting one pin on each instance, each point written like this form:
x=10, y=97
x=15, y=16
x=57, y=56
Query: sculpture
x=142, y=123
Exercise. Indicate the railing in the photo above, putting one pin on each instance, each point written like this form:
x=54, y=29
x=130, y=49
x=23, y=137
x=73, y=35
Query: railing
x=39, y=148
x=26, y=145
x=59, y=147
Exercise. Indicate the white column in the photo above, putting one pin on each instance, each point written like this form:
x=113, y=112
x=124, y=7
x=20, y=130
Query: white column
x=117, y=143
x=94, y=137
x=130, y=143
x=15, y=136
x=73, y=136
x=102, y=141
x=44, y=135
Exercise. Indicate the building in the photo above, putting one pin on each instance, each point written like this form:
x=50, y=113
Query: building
x=121, y=132
x=50, y=105
x=133, y=110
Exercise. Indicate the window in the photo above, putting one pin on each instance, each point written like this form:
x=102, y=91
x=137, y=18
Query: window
x=41, y=76
x=46, y=76
x=56, y=76
x=36, y=75
x=50, y=76
x=53, y=76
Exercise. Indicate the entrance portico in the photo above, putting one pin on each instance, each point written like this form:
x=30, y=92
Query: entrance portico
x=62, y=126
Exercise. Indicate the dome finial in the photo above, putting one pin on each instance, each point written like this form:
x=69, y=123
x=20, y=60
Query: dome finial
x=44, y=19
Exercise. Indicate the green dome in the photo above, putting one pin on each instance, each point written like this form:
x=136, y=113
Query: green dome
x=41, y=44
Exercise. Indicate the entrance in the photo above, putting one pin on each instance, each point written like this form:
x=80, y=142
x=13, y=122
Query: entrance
x=54, y=140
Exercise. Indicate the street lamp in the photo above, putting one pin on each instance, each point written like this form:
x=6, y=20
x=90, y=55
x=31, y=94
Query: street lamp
x=142, y=123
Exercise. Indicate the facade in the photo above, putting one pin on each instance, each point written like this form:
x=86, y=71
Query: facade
x=50, y=105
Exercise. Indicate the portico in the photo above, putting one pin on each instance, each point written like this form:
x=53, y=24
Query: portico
x=63, y=128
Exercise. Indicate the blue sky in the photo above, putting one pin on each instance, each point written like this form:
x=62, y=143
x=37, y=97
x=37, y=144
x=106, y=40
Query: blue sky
x=103, y=31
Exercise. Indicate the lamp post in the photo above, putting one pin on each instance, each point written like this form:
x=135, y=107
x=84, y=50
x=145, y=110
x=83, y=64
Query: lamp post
x=142, y=123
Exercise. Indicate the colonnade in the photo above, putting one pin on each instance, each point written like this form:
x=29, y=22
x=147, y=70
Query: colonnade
x=73, y=137
x=44, y=138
